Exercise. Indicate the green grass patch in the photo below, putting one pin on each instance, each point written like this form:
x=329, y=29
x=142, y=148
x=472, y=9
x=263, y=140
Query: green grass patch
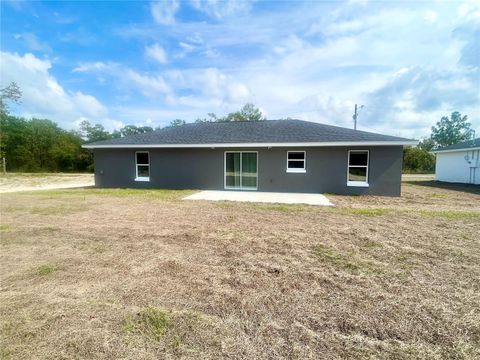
x=46, y=269
x=150, y=194
x=5, y=354
x=371, y=244
x=173, y=328
x=99, y=249
x=345, y=261
x=151, y=321
x=288, y=208
x=5, y=228
x=451, y=214
x=363, y=211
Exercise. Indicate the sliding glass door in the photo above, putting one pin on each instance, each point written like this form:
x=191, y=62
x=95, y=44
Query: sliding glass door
x=241, y=170
x=232, y=170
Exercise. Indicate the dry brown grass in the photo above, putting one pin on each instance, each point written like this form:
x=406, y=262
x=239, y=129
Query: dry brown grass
x=144, y=275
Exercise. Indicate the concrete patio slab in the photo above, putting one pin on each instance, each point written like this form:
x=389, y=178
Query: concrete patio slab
x=261, y=197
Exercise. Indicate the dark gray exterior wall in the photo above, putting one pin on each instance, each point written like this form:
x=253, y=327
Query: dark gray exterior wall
x=204, y=169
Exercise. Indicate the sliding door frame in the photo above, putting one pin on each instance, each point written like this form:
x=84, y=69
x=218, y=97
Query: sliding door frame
x=241, y=171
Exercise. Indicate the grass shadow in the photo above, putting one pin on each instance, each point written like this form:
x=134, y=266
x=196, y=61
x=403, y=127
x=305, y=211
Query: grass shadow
x=469, y=188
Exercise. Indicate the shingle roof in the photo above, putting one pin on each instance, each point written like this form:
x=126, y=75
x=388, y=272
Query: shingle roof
x=268, y=131
x=475, y=143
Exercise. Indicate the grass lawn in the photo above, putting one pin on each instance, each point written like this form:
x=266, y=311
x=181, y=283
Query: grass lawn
x=109, y=274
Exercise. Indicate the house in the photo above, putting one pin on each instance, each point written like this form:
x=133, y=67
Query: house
x=459, y=163
x=270, y=155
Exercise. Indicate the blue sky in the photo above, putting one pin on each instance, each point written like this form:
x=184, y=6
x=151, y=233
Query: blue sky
x=146, y=63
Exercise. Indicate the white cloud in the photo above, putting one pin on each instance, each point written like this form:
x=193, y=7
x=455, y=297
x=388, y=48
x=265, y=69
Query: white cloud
x=149, y=85
x=157, y=53
x=469, y=10
x=430, y=16
x=44, y=97
x=32, y=42
x=210, y=86
x=163, y=12
x=222, y=8
x=127, y=79
x=188, y=48
x=95, y=66
x=89, y=104
x=196, y=44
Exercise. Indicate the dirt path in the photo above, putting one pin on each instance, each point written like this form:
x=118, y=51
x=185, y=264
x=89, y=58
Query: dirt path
x=30, y=182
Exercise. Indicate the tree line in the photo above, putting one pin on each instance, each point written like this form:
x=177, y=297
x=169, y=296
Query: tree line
x=40, y=145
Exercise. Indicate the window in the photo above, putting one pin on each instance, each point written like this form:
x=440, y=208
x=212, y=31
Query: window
x=296, y=162
x=142, y=163
x=357, y=168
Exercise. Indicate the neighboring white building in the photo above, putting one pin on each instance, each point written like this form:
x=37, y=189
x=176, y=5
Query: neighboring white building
x=459, y=163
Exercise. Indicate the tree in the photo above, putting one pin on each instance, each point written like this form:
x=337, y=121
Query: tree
x=177, y=122
x=40, y=145
x=418, y=160
x=452, y=130
x=426, y=144
x=11, y=133
x=248, y=112
x=93, y=132
x=131, y=130
x=211, y=118
x=12, y=93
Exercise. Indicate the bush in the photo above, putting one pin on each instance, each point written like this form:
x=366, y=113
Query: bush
x=418, y=161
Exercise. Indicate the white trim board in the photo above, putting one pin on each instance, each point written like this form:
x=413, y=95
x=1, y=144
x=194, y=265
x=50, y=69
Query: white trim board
x=255, y=145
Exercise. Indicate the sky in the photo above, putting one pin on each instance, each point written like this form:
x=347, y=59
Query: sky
x=147, y=63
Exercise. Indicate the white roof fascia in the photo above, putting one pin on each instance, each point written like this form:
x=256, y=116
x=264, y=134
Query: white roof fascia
x=253, y=145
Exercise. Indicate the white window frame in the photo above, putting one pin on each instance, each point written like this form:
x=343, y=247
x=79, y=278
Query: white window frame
x=297, y=170
x=358, y=183
x=142, y=178
x=225, y=171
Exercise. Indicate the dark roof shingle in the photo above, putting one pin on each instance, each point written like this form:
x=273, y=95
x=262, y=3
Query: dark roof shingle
x=268, y=131
x=460, y=146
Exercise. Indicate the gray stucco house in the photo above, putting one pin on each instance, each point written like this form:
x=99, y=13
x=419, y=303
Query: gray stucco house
x=270, y=155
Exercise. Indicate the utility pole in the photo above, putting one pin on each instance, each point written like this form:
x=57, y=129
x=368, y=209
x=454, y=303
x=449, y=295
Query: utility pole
x=355, y=116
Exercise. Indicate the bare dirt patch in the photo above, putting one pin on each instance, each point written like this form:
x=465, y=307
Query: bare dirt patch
x=143, y=274
x=15, y=182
